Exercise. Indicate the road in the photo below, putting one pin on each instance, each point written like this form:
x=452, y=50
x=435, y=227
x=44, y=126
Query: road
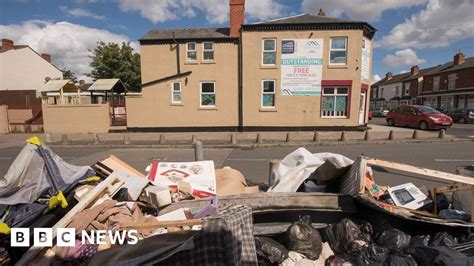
x=457, y=130
x=254, y=163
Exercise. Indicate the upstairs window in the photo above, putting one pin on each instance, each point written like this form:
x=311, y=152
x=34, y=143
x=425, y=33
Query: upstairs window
x=338, y=51
x=397, y=91
x=436, y=83
x=381, y=92
x=176, y=92
x=191, y=54
x=208, y=51
x=268, y=93
x=208, y=94
x=407, y=89
x=452, y=82
x=335, y=102
x=269, y=52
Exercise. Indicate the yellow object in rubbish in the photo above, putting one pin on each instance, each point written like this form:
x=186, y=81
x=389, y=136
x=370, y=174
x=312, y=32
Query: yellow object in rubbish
x=4, y=228
x=90, y=179
x=58, y=199
x=34, y=140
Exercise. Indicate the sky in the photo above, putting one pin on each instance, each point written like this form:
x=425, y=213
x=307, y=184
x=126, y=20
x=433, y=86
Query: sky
x=409, y=32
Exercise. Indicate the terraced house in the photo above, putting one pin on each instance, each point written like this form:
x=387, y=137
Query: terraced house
x=301, y=72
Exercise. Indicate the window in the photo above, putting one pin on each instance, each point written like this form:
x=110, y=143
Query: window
x=447, y=103
x=191, y=51
x=338, y=51
x=452, y=82
x=269, y=52
x=435, y=83
x=208, y=51
x=268, y=93
x=381, y=92
x=397, y=90
x=407, y=89
x=208, y=94
x=176, y=92
x=334, y=102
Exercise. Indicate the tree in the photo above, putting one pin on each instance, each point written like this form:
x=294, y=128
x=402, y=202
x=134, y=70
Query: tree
x=68, y=74
x=111, y=60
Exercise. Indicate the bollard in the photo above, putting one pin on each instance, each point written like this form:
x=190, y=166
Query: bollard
x=259, y=138
x=415, y=134
x=198, y=153
x=271, y=177
x=95, y=138
x=65, y=140
x=193, y=139
x=126, y=139
x=367, y=135
x=48, y=137
x=162, y=139
x=391, y=135
x=343, y=136
x=288, y=137
x=233, y=140
x=442, y=134
x=316, y=137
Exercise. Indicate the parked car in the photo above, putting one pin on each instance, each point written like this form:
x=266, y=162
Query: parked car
x=462, y=115
x=422, y=117
x=380, y=113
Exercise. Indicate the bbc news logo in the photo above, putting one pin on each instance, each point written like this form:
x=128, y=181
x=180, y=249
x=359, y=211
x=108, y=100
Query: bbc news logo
x=66, y=237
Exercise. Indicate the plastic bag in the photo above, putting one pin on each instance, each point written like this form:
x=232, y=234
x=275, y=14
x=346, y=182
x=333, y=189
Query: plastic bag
x=344, y=237
x=420, y=241
x=438, y=256
x=372, y=255
x=449, y=214
x=270, y=250
x=336, y=261
x=443, y=239
x=399, y=259
x=393, y=239
x=303, y=238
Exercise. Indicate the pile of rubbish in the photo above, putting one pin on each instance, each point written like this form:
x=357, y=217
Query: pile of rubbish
x=319, y=209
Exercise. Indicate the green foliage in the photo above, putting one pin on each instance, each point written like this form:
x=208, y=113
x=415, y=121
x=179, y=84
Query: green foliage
x=111, y=60
x=68, y=74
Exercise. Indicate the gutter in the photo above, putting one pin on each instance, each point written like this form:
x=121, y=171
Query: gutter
x=240, y=90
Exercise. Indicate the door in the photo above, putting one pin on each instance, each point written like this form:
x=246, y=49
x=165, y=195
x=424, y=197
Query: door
x=362, y=109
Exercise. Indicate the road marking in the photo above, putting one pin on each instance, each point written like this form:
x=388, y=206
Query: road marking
x=471, y=137
x=249, y=159
x=5, y=158
x=454, y=160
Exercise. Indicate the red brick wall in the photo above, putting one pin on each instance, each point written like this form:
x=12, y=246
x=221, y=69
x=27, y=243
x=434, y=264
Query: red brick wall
x=465, y=79
x=237, y=10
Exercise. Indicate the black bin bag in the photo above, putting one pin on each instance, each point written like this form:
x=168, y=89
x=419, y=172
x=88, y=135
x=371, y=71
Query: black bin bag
x=303, y=238
x=270, y=250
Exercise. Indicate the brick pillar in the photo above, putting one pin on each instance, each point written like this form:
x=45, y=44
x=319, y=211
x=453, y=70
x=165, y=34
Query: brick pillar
x=7, y=45
x=237, y=13
x=46, y=57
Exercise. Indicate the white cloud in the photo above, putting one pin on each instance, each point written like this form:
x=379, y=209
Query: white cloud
x=217, y=12
x=401, y=58
x=375, y=78
x=441, y=23
x=68, y=43
x=80, y=12
x=356, y=9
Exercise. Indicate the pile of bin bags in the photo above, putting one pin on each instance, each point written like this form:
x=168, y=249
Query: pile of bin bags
x=348, y=243
x=37, y=181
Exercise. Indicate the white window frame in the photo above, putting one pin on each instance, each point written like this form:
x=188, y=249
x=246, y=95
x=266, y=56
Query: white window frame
x=406, y=91
x=187, y=51
x=268, y=93
x=436, y=88
x=269, y=51
x=338, y=50
x=207, y=50
x=207, y=93
x=173, y=91
x=452, y=81
x=335, y=95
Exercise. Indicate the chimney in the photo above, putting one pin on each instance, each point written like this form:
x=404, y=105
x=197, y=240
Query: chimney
x=414, y=70
x=46, y=57
x=388, y=76
x=81, y=82
x=237, y=12
x=321, y=13
x=7, y=45
x=458, y=59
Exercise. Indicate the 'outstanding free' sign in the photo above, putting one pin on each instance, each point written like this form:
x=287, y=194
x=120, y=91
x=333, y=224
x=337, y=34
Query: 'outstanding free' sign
x=301, y=66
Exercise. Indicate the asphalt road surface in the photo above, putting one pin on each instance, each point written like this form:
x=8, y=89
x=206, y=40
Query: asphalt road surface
x=457, y=130
x=254, y=164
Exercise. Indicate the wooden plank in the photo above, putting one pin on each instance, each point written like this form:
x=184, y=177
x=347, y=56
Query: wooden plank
x=422, y=171
x=114, y=163
x=163, y=224
x=453, y=188
x=87, y=201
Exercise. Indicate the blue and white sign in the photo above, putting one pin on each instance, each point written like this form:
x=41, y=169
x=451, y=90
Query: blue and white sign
x=301, y=66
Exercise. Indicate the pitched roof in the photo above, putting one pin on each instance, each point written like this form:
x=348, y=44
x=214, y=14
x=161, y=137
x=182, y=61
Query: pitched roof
x=450, y=66
x=305, y=19
x=404, y=77
x=179, y=34
x=56, y=85
x=107, y=85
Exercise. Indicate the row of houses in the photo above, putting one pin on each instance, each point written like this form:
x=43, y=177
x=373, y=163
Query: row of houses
x=447, y=86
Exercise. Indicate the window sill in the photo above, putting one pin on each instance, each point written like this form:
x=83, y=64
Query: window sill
x=334, y=117
x=177, y=104
x=268, y=109
x=210, y=108
x=268, y=67
x=338, y=66
x=208, y=62
x=191, y=63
